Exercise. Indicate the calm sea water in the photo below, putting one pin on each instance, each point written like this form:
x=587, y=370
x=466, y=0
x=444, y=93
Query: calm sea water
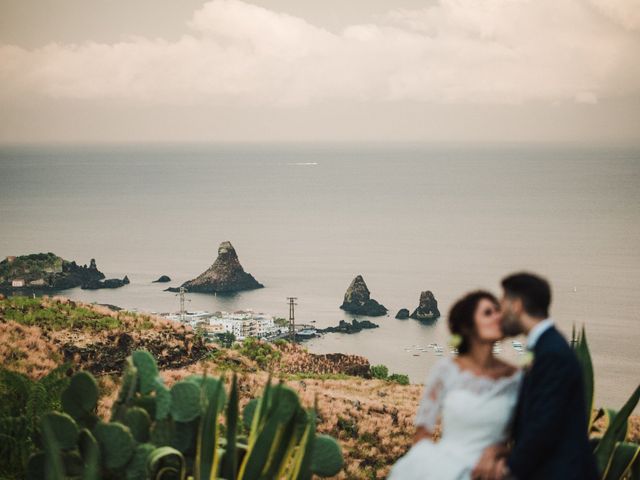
x=305, y=219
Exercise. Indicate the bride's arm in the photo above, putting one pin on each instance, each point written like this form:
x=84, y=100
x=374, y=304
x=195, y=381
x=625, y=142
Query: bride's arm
x=431, y=403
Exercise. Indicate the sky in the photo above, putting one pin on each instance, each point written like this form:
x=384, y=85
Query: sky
x=288, y=70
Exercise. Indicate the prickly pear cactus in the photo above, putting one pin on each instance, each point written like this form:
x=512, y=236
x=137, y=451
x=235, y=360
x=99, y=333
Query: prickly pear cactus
x=80, y=398
x=147, y=370
x=185, y=401
x=326, y=457
x=137, y=467
x=139, y=422
x=116, y=444
x=64, y=429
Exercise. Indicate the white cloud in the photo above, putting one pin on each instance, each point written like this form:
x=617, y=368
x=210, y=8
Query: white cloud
x=460, y=51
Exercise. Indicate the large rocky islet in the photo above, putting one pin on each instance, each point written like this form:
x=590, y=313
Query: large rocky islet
x=226, y=275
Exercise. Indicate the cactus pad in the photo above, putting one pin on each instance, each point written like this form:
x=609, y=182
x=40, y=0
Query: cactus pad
x=185, y=401
x=326, y=458
x=116, y=444
x=137, y=467
x=139, y=422
x=163, y=401
x=147, y=370
x=64, y=429
x=80, y=398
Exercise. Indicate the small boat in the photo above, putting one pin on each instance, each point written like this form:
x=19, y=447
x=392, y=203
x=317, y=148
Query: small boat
x=416, y=354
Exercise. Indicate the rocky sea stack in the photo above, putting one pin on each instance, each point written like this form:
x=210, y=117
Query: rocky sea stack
x=428, y=308
x=402, y=314
x=162, y=279
x=226, y=275
x=358, y=300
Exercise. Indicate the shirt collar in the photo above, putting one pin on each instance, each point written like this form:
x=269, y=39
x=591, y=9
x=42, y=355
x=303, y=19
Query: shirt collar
x=537, y=331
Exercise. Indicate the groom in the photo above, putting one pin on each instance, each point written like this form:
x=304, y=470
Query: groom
x=549, y=435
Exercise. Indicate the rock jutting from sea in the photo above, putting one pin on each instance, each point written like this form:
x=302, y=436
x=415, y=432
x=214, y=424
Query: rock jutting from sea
x=402, y=314
x=226, y=275
x=345, y=327
x=108, y=283
x=357, y=300
x=427, y=309
x=162, y=279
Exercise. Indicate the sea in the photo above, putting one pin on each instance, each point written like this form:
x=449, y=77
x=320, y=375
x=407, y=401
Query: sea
x=306, y=218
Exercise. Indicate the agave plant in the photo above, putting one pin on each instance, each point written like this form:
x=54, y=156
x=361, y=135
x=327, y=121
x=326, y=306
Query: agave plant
x=175, y=434
x=617, y=458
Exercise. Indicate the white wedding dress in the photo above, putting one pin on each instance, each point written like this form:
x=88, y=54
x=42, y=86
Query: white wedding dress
x=476, y=412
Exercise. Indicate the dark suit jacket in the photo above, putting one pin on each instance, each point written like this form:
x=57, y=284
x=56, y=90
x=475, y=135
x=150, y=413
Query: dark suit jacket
x=550, y=427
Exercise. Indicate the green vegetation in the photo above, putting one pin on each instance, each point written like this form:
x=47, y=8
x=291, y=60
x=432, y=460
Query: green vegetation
x=281, y=322
x=61, y=315
x=381, y=372
x=24, y=403
x=27, y=264
x=225, y=339
x=617, y=458
x=399, y=378
x=261, y=352
x=161, y=433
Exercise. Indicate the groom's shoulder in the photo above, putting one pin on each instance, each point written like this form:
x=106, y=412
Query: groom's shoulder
x=552, y=341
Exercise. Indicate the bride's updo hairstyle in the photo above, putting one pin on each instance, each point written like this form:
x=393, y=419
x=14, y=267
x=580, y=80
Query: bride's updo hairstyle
x=462, y=317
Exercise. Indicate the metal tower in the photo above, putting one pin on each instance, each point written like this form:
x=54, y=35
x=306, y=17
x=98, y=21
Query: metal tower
x=292, y=318
x=183, y=312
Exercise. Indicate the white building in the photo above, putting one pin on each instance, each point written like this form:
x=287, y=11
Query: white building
x=245, y=324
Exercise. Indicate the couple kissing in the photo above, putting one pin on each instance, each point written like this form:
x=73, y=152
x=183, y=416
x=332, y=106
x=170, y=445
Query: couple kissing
x=499, y=422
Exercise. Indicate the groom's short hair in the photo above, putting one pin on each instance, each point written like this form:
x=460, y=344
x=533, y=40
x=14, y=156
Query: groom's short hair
x=534, y=291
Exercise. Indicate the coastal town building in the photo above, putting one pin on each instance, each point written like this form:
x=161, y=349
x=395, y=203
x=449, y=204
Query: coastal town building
x=242, y=324
x=17, y=283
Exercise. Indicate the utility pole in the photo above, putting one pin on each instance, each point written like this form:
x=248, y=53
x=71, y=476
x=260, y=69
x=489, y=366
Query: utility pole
x=292, y=318
x=183, y=312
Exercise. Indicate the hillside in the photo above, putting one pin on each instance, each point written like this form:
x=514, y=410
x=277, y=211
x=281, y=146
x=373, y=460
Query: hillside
x=371, y=418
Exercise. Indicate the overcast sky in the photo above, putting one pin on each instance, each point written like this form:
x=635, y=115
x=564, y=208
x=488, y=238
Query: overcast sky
x=292, y=70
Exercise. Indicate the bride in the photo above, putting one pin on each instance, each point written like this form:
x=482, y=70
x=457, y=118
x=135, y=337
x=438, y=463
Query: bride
x=474, y=395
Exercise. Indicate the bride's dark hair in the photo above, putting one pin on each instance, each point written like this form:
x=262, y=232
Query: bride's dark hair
x=461, y=316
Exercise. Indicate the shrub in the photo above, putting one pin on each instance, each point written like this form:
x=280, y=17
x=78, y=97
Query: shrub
x=261, y=352
x=379, y=371
x=399, y=378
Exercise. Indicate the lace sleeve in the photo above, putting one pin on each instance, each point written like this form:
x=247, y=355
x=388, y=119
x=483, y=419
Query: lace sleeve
x=431, y=402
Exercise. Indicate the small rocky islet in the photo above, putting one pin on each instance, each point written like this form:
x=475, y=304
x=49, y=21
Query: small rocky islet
x=345, y=327
x=427, y=310
x=48, y=272
x=358, y=301
x=226, y=275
